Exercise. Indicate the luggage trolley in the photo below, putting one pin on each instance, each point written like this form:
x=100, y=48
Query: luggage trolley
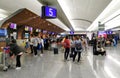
x=3, y=58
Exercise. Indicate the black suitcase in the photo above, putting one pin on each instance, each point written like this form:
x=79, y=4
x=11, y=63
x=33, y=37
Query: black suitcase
x=102, y=53
x=55, y=50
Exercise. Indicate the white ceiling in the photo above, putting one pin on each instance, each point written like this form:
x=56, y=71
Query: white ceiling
x=80, y=13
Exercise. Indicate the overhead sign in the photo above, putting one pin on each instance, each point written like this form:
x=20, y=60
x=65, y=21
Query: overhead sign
x=71, y=32
x=49, y=12
x=101, y=27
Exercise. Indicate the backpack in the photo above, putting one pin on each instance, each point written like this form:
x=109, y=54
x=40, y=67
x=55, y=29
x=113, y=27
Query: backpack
x=78, y=46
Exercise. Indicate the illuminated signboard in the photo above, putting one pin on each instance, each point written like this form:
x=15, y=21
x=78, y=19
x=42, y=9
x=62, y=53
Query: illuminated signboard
x=49, y=12
x=71, y=32
x=13, y=26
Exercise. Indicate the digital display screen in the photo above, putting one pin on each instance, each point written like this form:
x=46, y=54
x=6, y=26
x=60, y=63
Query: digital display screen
x=3, y=32
x=26, y=35
x=71, y=32
x=109, y=32
x=30, y=28
x=102, y=33
x=26, y=28
x=49, y=12
x=13, y=26
x=44, y=31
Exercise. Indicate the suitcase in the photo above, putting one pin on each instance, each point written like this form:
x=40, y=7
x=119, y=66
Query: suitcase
x=102, y=53
x=55, y=50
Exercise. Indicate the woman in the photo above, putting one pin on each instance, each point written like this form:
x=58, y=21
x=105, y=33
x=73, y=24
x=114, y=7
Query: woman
x=17, y=51
x=67, y=47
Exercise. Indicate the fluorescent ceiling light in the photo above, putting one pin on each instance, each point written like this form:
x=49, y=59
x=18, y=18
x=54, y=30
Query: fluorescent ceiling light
x=3, y=15
x=113, y=23
x=66, y=10
x=112, y=16
x=2, y=11
x=1, y=18
x=112, y=5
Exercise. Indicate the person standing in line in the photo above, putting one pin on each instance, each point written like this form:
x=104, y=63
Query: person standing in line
x=27, y=45
x=31, y=44
x=78, y=49
x=67, y=47
x=35, y=42
x=42, y=44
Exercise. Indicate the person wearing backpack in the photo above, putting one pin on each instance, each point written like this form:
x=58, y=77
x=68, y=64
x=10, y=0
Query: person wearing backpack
x=78, y=49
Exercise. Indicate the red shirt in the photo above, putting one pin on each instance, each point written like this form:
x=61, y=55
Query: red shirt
x=67, y=43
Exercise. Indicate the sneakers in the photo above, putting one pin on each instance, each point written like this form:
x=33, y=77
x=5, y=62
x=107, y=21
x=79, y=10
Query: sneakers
x=41, y=55
x=35, y=55
x=18, y=68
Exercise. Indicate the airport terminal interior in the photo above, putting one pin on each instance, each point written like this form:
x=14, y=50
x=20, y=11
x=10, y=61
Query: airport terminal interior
x=59, y=38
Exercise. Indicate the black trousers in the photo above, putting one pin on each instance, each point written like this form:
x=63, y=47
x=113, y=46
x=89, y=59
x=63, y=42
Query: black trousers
x=35, y=50
x=66, y=53
x=72, y=50
x=31, y=47
x=18, y=62
x=79, y=56
x=94, y=49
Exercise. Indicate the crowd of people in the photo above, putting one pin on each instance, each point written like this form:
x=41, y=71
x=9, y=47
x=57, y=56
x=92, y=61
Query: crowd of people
x=36, y=43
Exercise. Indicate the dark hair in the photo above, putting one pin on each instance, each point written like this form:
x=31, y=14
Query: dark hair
x=31, y=35
x=41, y=37
x=66, y=37
x=77, y=37
x=13, y=41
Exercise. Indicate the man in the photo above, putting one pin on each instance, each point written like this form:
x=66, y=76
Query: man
x=35, y=42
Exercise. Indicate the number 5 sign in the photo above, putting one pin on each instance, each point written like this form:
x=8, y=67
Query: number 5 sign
x=49, y=12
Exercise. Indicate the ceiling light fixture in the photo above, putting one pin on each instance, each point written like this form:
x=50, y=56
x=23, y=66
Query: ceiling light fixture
x=94, y=25
x=66, y=10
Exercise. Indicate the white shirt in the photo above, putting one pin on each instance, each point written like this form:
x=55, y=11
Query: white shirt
x=41, y=41
x=35, y=41
x=31, y=39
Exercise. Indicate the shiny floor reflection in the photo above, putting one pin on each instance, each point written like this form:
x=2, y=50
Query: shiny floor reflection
x=53, y=66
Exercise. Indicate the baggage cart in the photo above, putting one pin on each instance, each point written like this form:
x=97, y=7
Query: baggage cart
x=3, y=59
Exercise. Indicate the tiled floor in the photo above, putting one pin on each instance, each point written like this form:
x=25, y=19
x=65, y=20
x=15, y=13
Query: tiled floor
x=53, y=66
